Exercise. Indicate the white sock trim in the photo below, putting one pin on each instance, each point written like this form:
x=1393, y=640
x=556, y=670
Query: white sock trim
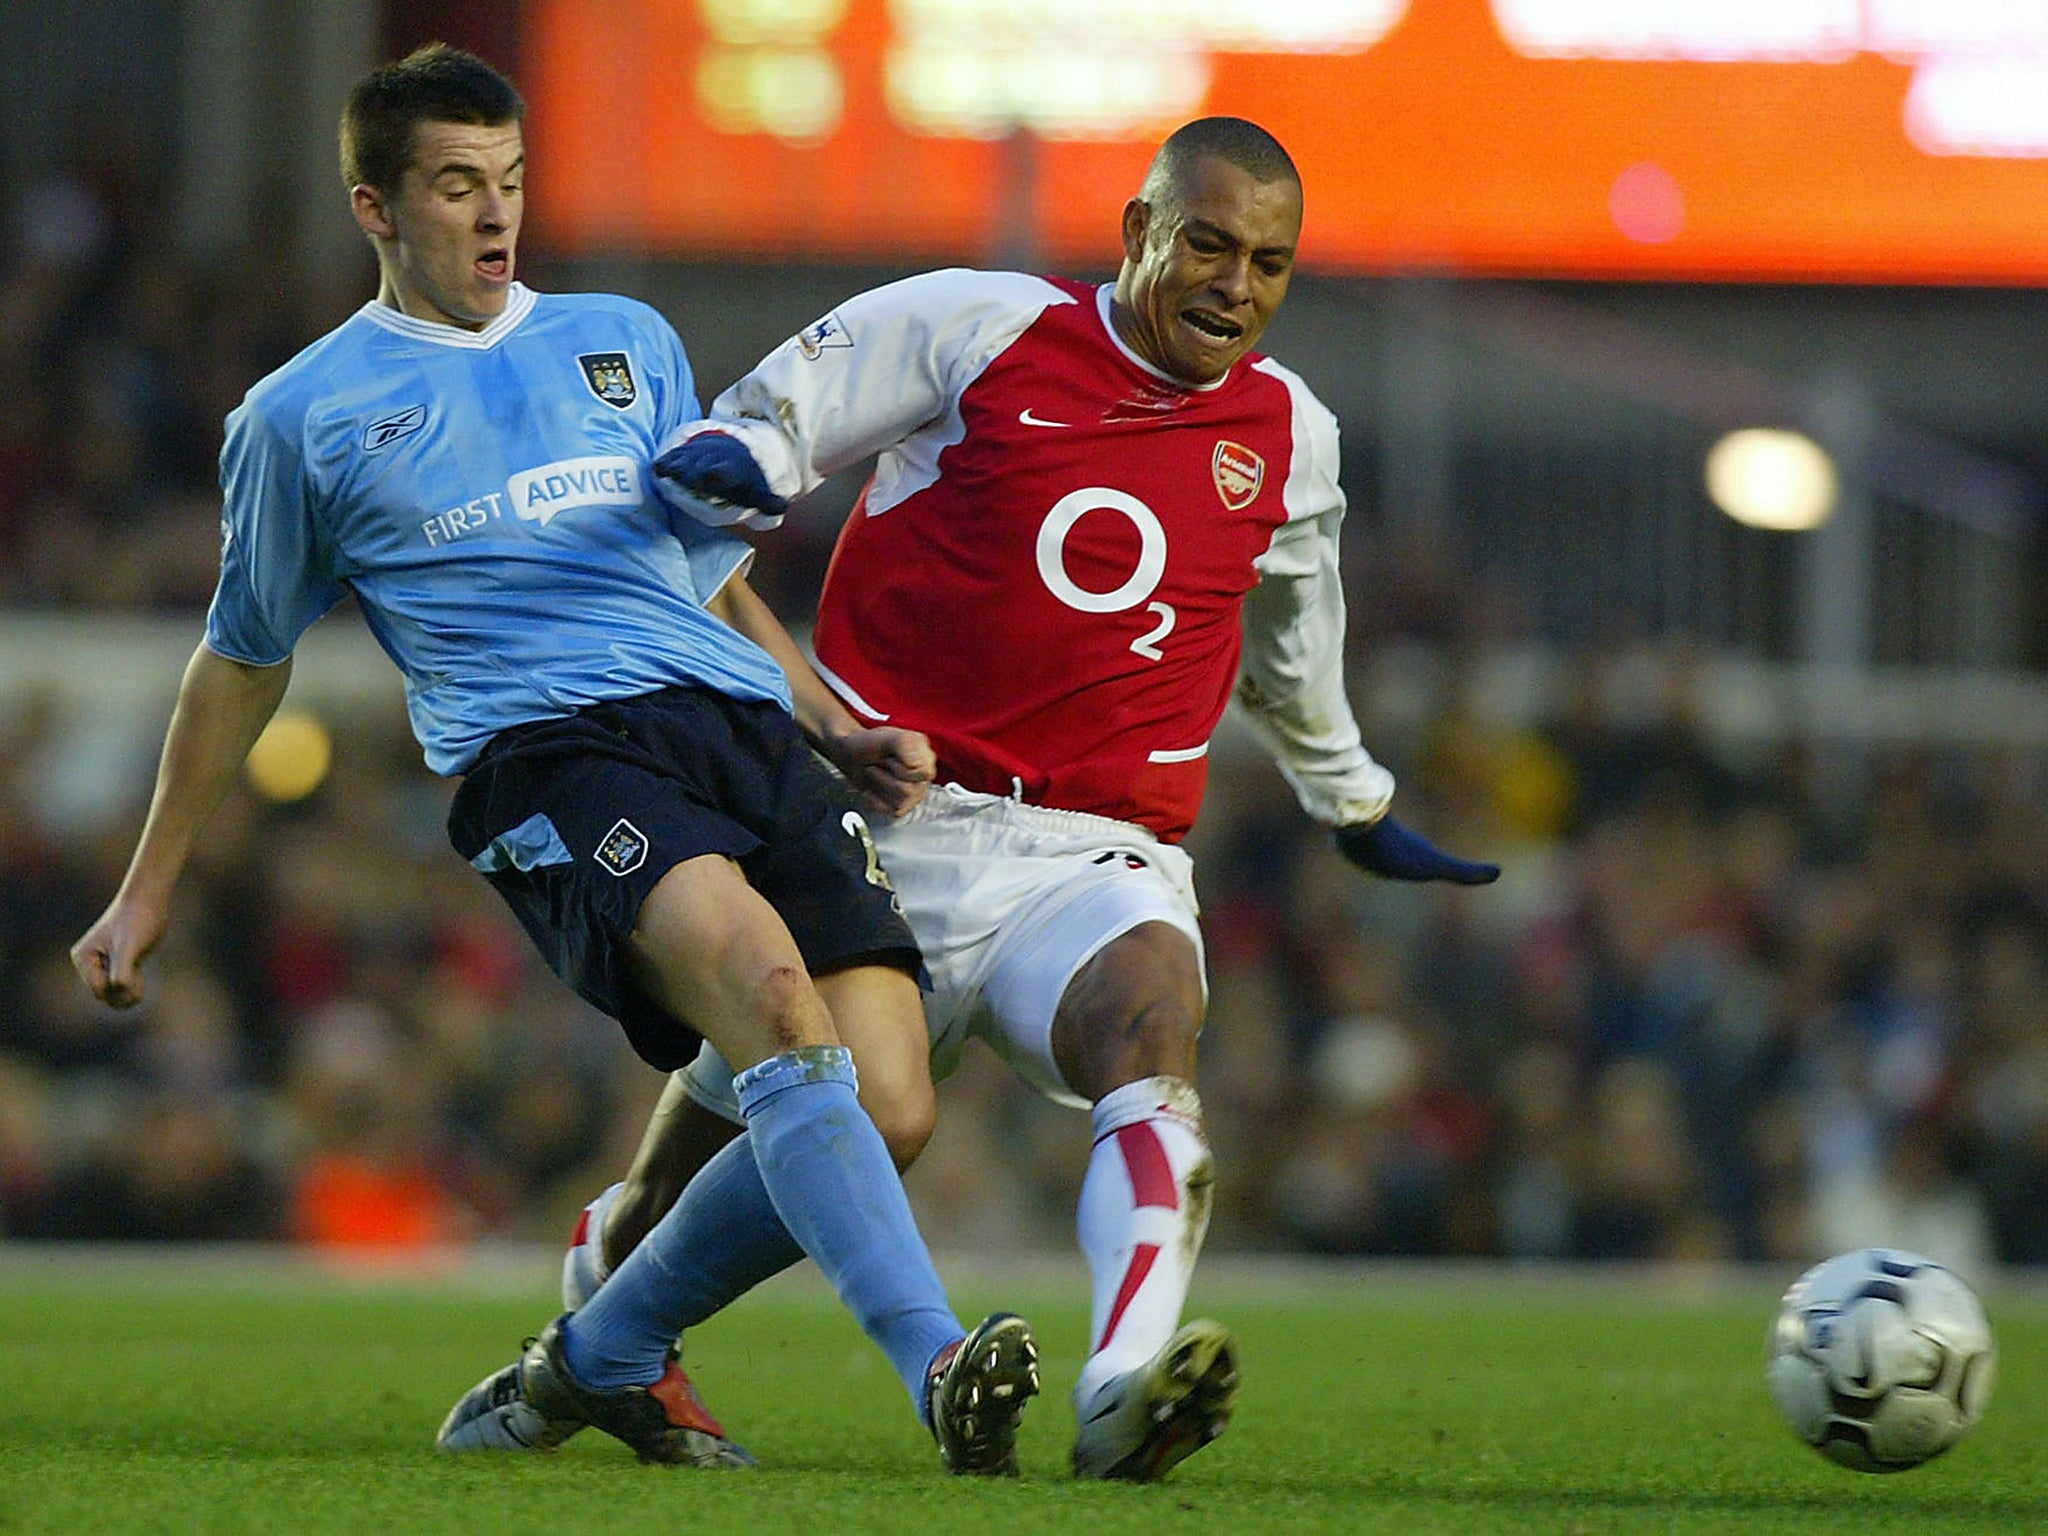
x=1172, y=1098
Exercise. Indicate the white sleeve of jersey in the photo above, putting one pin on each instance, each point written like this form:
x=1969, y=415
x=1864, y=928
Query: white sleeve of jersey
x=873, y=372
x=1291, y=686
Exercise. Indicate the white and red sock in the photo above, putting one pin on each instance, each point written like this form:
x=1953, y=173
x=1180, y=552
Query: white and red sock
x=1143, y=1213
x=583, y=1266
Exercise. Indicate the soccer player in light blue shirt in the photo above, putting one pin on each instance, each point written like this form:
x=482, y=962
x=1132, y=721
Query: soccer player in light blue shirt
x=485, y=494
x=470, y=459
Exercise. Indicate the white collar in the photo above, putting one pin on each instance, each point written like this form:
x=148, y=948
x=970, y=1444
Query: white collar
x=1103, y=294
x=519, y=302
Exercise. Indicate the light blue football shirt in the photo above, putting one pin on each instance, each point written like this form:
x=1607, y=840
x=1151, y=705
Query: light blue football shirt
x=487, y=497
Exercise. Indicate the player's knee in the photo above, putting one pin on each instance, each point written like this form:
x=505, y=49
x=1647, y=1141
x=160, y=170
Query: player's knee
x=902, y=1105
x=1133, y=1011
x=906, y=1123
x=1099, y=1050
x=878, y=1014
x=1157, y=1034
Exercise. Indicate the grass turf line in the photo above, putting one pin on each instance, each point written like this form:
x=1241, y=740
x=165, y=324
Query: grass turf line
x=214, y=1401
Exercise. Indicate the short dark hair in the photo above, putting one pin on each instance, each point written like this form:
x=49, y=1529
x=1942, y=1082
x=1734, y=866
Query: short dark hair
x=433, y=84
x=1243, y=143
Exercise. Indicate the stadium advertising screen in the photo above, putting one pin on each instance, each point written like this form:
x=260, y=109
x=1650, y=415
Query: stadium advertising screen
x=1864, y=140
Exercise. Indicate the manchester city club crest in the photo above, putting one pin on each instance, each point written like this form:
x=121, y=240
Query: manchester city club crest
x=610, y=377
x=624, y=848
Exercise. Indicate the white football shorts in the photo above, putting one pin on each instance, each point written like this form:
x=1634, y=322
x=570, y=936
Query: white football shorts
x=1008, y=901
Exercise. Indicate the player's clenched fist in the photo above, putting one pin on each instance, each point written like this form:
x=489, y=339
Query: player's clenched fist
x=889, y=766
x=109, y=955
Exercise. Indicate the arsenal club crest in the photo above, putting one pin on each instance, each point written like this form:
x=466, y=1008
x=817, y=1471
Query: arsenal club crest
x=610, y=377
x=1239, y=473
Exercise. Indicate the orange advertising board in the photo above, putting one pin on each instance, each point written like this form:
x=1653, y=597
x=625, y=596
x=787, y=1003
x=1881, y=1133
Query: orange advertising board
x=1856, y=140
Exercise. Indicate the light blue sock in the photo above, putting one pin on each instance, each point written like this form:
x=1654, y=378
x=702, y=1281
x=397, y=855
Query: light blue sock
x=717, y=1242
x=811, y=1163
x=830, y=1175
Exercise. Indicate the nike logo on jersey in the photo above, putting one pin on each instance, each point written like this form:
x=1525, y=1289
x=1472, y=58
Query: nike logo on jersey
x=1031, y=420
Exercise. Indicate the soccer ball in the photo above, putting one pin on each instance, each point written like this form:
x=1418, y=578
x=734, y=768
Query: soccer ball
x=1880, y=1359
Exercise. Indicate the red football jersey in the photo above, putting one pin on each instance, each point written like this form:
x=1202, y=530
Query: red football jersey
x=1048, y=573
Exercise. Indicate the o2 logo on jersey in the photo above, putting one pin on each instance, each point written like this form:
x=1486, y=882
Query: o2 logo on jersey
x=1144, y=577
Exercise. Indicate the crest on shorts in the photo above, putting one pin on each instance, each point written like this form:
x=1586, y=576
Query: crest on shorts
x=624, y=848
x=610, y=377
x=1239, y=473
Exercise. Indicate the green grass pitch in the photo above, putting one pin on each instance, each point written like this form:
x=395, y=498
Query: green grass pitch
x=238, y=1395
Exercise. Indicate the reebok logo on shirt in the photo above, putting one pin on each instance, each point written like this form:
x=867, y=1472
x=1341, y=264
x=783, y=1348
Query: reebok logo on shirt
x=379, y=435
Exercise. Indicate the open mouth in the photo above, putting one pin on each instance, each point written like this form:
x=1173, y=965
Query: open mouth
x=494, y=266
x=1214, y=326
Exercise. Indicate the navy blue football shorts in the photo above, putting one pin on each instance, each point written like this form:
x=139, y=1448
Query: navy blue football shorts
x=575, y=820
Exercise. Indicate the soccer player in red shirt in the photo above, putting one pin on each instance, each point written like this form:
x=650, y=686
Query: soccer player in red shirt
x=1097, y=513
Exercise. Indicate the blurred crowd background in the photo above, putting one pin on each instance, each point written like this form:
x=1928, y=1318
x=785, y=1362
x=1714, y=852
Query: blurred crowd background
x=1748, y=999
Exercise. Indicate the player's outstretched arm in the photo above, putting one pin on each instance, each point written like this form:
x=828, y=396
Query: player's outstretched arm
x=887, y=765
x=222, y=706
x=1394, y=851
x=713, y=477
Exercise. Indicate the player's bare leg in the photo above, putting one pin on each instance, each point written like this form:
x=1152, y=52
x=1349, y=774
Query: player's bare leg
x=681, y=1136
x=1125, y=1036
x=711, y=951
